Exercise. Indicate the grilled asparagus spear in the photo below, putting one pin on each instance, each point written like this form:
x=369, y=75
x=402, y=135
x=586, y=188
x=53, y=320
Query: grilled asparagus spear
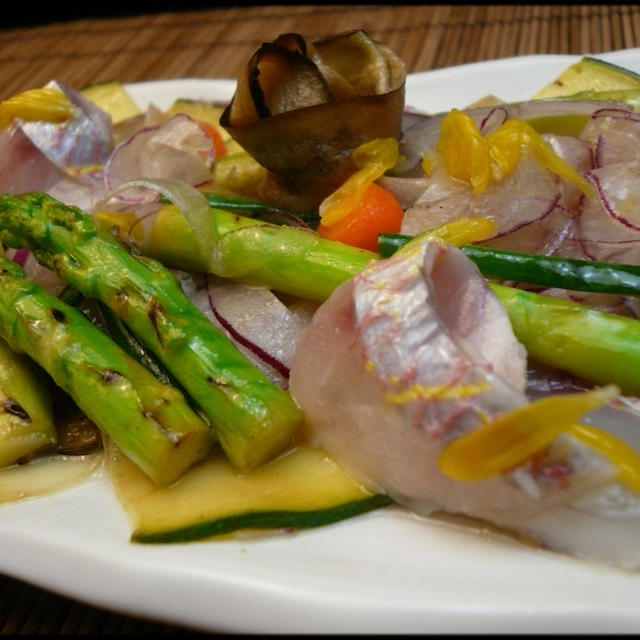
x=26, y=418
x=149, y=421
x=254, y=419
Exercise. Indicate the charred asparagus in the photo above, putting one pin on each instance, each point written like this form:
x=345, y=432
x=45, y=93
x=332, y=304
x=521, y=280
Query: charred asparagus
x=149, y=421
x=254, y=419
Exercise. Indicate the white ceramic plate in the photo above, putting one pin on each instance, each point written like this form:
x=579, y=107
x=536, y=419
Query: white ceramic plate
x=384, y=572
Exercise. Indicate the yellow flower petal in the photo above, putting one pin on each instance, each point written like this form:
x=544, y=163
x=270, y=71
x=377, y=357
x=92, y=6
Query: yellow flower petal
x=516, y=436
x=478, y=159
x=48, y=104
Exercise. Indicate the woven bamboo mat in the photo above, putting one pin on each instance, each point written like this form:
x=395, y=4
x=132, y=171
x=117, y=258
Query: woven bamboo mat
x=214, y=43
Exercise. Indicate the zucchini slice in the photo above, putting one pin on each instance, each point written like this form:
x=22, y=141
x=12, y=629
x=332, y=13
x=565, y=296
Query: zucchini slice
x=26, y=413
x=303, y=488
x=590, y=74
x=113, y=98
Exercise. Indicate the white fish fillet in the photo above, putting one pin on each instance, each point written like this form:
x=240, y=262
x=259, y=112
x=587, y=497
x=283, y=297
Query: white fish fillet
x=415, y=351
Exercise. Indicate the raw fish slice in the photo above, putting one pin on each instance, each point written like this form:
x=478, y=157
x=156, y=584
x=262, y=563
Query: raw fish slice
x=410, y=354
x=601, y=525
x=579, y=155
x=414, y=352
x=50, y=156
x=527, y=195
x=23, y=167
x=86, y=139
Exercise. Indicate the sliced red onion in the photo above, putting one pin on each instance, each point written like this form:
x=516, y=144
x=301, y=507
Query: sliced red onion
x=597, y=153
x=19, y=256
x=406, y=190
x=416, y=140
x=543, y=381
x=535, y=205
x=623, y=113
x=550, y=235
x=603, y=238
x=260, y=325
x=618, y=189
x=633, y=304
x=578, y=154
x=621, y=252
x=238, y=337
x=192, y=204
x=606, y=302
x=572, y=150
x=23, y=167
x=178, y=149
x=494, y=119
x=35, y=272
x=614, y=136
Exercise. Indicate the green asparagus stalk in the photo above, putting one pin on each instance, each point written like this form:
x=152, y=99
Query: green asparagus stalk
x=149, y=421
x=292, y=260
x=121, y=335
x=596, y=346
x=254, y=419
x=593, y=345
x=26, y=416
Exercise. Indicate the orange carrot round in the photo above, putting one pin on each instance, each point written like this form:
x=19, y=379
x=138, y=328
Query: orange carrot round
x=218, y=143
x=378, y=212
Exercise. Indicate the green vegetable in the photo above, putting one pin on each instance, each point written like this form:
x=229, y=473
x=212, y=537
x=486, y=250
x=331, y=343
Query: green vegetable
x=289, y=519
x=628, y=96
x=590, y=74
x=254, y=419
x=149, y=421
x=26, y=418
x=253, y=208
x=600, y=347
x=113, y=98
x=303, y=488
x=564, y=273
x=121, y=335
x=293, y=260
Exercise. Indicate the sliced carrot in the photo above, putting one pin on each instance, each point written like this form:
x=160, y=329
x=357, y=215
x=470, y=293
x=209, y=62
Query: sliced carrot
x=218, y=143
x=377, y=212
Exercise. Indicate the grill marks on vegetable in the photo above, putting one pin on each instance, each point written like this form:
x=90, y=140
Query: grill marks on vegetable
x=58, y=315
x=218, y=382
x=110, y=377
x=12, y=407
x=155, y=313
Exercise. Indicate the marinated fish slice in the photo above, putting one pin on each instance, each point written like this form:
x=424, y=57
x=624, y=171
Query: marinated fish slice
x=409, y=356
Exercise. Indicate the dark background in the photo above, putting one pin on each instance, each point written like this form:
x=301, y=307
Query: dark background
x=19, y=14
